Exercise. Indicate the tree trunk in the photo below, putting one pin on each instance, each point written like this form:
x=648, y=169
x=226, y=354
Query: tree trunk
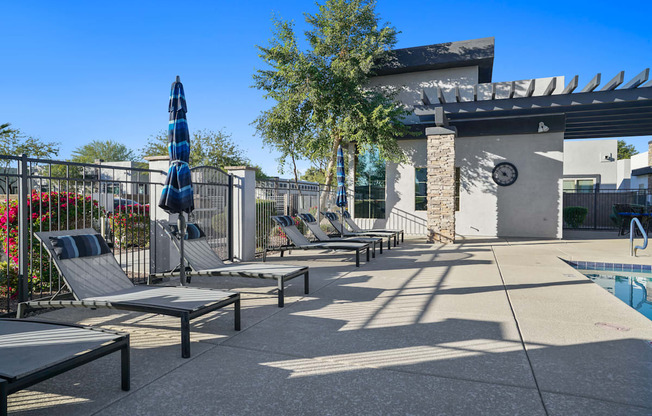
x=296, y=175
x=337, y=139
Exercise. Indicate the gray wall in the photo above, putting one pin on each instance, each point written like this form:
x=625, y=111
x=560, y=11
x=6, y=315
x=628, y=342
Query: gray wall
x=531, y=207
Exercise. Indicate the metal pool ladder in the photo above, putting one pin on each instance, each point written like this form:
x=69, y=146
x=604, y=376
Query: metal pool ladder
x=632, y=249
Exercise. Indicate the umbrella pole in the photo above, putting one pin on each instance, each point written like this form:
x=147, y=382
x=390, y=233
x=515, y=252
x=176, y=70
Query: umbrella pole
x=342, y=218
x=181, y=223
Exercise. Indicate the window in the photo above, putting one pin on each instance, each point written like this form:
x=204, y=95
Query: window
x=420, y=189
x=578, y=185
x=369, y=185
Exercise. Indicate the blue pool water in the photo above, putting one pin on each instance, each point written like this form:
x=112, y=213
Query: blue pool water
x=633, y=288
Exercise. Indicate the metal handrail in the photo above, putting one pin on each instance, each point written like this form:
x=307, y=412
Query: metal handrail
x=632, y=249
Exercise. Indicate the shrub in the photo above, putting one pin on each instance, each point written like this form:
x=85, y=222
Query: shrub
x=50, y=211
x=130, y=226
x=575, y=216
x=265, y=208
x=8, y=280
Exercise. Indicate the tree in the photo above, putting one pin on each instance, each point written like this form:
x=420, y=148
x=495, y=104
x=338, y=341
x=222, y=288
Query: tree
x=626, y=151
x=314, y=174
x=14, y=142
x=322, y=94
x=207, y=148
x=107, y=150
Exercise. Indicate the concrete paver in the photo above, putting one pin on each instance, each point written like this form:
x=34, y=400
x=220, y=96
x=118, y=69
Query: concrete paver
x=484, y=326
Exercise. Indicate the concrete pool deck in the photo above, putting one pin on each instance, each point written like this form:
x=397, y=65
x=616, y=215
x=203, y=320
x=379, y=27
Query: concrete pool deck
x=500, y=326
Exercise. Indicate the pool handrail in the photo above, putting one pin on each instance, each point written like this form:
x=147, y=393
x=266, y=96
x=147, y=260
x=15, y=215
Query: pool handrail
x=632, y=249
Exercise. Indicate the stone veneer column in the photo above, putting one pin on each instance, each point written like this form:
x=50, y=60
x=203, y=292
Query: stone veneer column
x=441, y=184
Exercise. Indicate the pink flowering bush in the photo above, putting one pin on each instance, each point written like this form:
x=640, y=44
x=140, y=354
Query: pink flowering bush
x=48, y=211
x=130, y=226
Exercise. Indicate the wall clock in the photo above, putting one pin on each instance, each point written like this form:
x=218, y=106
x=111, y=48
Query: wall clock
x=504, y=174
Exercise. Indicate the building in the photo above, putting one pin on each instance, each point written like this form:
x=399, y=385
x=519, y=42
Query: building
x=489, y=157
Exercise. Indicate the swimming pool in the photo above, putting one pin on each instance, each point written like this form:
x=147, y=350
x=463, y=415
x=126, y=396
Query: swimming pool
x=632, y=287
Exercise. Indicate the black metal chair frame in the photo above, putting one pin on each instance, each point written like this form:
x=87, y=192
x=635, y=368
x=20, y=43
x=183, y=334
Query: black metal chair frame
x=9, y=386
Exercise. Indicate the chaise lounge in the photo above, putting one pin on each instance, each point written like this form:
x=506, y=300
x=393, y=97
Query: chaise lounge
x=34, y=351
x=344, y=232
x=96, y=280
x=299, y=241
x=204, y=262
x=314, y=227
x=356, y=229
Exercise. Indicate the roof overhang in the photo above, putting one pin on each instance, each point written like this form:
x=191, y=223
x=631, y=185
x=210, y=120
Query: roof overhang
x=476, y=52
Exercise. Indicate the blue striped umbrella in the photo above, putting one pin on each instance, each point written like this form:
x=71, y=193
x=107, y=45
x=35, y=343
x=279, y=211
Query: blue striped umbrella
x=177, y=196
x=341, y=185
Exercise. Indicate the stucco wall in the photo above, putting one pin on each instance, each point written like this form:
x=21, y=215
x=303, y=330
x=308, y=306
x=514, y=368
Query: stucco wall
x=589, y=158
x=409, y=85
x=639, y=161
x=531, y=207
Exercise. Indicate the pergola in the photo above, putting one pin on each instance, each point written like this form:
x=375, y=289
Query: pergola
x=615, y=110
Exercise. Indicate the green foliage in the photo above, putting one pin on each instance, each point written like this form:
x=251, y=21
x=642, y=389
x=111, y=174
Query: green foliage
x=107, y=150
x=626, y=151
x=321, y=95
x=575, y=216
x=130, y=226
x=8, y=278
x=264, y=225
x=14, y=142
x=49, y=211
x=314, y=174
x=207, y=148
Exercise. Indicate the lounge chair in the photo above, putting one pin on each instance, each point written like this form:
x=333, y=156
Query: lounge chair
x=204, y=262
x=356, y=229
x=301, y=242
x=313, y=225
x=96, y=280
x=345, y=232
x=34, y=351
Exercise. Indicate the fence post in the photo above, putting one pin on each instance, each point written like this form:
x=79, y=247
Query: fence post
x=595, y=206
x=229, y=225
x=244, y=212
x=23, y=230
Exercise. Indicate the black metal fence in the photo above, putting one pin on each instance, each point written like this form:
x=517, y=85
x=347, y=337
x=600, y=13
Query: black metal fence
x=283, y=197
x=600, y=205
x=47, y=195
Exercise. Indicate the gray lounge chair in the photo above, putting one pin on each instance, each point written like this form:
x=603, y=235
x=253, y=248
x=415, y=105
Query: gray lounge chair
x=34, y=351
x=356, y=229
x=300, y=241
x=98, y=281
x=204, y=262
x=313, y=225
x=345, y=232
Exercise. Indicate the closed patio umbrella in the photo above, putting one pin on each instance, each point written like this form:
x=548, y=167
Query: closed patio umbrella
x=177, y=196
x=341, y=185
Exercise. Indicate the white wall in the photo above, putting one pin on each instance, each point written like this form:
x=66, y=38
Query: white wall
x=590, y=157
x=531, y=207
x=638, y=161
x=409, y=85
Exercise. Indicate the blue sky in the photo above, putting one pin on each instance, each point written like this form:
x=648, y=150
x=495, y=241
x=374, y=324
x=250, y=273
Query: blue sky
x=76, y=71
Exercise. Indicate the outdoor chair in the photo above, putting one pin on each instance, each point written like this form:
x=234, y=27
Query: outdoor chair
x=356, y=229
x=203, y=261
x=34, y=351
x=345, y=232
x=314, y=227
x=96, y=280
x=301, y=242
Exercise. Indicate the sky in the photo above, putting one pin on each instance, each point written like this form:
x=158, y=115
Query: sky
x=76, y=71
